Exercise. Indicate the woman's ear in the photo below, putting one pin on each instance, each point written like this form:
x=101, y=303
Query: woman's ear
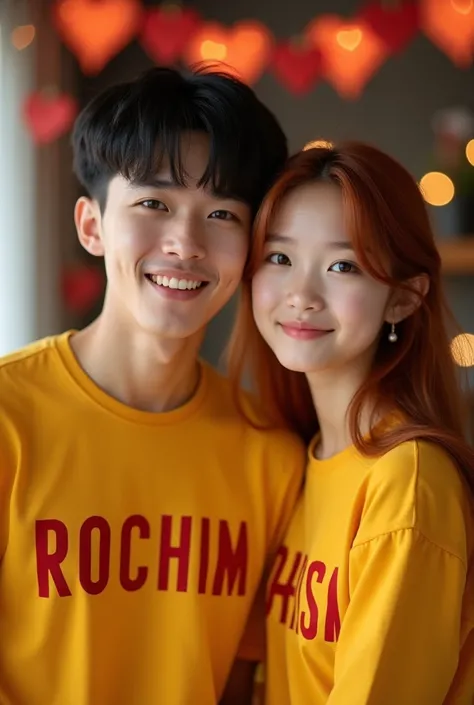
x=404, y=301
x=88, y=220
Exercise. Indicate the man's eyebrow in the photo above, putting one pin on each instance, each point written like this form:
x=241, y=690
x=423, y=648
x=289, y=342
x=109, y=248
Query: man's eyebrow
x=155, y=182
x=167, y=182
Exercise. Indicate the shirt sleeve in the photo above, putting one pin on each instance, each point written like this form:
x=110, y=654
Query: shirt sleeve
x=400, y=637
x=252, y=645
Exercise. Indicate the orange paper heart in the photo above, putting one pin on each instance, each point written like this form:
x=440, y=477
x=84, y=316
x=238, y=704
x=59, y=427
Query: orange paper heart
x=450, y=25
x=351, y=51
x=245, y=49
x=96, y=30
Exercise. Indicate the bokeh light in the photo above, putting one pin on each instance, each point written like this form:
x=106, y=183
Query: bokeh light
x=462, y=349
x=437, y=188
x=470, y=152
x=318, y=143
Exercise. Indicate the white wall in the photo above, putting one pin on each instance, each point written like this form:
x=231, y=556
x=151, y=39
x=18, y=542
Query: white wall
x=29, y=263
x=17, y=199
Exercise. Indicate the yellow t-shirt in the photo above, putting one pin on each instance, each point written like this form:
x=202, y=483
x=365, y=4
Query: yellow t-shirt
x=371, y=600
x=132, y=543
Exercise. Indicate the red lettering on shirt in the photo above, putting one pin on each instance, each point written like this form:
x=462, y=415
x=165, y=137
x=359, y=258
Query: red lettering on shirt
x=285, y=589
x=333, y=620
x=101, y=528
x=49, y=564
x=231, y=563
x=309, y=628
x=217, y=551
x=128, y=582
x=296, y=604
x=180, y=552
x=204, y=556
x=299, y=582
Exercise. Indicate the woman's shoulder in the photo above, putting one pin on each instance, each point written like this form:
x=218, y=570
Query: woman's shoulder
x=418, y=463
x=418, y=486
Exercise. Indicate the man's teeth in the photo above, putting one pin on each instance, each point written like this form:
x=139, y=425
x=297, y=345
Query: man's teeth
x=174, y=283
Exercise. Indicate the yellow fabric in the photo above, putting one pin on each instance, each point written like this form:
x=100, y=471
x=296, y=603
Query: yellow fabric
x=371, y=600
x=132, y=543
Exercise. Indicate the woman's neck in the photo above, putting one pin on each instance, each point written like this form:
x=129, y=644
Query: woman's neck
x=332, y=393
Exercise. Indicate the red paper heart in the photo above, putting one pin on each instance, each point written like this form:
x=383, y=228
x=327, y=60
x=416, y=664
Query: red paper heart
x=96, y=30
x=396, y=26
x=48, y=115
x=297, y=67
x=167, y=31
x=82, y=286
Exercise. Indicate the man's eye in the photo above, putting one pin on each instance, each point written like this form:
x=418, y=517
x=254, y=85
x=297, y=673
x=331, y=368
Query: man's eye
x=153, y=204
x=279, y=258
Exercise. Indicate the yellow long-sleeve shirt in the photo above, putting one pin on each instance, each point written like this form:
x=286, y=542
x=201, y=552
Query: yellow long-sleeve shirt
x=371, y=601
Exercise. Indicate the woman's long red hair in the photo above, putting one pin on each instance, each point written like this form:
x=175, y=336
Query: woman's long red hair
x=394, y=243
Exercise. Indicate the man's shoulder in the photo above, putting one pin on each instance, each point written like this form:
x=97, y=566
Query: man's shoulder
x=24, y=354
x=25, y=366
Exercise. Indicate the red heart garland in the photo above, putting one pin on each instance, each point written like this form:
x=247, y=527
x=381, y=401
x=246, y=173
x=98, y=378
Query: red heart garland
x=82, y=286
x=167, y=31
x=396, y=26
x=48, y=115
x=297, y=67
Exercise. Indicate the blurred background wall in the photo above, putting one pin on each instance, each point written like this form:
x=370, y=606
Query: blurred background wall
x=416, y=103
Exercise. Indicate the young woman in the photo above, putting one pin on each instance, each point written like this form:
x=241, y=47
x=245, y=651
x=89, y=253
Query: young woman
x=371, y=601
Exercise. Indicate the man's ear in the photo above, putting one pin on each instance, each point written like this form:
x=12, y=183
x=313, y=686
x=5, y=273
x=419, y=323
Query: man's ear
x=405, y=301
x=88, y=219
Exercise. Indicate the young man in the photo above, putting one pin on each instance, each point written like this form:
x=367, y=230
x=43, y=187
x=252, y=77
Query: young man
x=138, y=508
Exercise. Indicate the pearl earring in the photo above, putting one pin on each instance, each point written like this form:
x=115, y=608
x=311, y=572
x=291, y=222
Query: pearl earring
x=392, y=336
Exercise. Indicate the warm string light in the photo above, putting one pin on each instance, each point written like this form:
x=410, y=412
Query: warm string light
x=349, y=38
x=462, y=349
x=213, y=51
x=437, y=188
x=318, y=143
x=470, y=152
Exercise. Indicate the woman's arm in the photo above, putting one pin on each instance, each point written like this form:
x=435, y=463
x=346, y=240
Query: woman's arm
x=400, y=637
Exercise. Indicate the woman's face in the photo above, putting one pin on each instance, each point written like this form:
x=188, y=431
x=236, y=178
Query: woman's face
x=312, y=303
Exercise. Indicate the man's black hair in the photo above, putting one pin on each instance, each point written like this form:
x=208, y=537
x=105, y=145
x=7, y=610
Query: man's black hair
x=129, y=128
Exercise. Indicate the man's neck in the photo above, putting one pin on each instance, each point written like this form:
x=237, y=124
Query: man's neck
x=140, y=370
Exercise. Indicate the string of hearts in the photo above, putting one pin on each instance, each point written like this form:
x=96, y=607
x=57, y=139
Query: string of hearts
x=346, y=52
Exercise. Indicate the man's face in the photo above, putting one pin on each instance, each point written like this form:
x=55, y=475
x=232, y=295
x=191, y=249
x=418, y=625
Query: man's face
x=174, y=255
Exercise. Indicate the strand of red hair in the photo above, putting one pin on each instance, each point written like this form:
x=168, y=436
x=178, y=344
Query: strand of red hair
x=393, y=241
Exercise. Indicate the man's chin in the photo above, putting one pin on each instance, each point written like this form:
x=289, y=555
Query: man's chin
x=178, y=332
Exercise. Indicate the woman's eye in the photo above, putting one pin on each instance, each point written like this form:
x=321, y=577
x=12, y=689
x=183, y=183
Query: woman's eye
x=222, y=215
x=344, y=268
x=153, y=204
x=279, y=258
